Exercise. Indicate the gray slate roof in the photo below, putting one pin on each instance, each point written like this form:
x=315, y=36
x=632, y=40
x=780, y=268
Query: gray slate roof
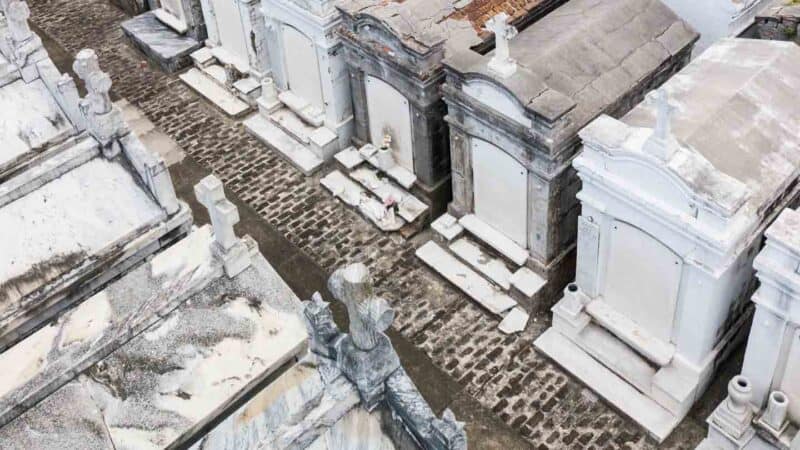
x=583, y=57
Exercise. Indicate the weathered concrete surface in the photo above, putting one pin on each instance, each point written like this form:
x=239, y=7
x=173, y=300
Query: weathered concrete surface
x=449, y=347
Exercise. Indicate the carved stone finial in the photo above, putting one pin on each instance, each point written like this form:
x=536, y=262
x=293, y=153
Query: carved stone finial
x=17, y=14
x=320, y=325
x=224, y=215
x=502, y=63
x=661, y=143
x=86, y=62
x=369, y=316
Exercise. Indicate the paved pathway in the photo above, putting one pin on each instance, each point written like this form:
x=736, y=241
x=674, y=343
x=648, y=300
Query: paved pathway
x=504, y=374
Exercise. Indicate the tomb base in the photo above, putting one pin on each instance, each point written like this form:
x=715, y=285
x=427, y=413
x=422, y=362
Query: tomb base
x=160, y=43
x=646, y=379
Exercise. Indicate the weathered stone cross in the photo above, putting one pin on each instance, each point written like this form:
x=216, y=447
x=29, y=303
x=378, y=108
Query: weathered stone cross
x=661, y=143
x=223, y=213
x=502, y=63
x=17, y=14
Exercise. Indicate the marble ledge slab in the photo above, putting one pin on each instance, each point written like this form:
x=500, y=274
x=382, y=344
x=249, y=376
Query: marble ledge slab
x=170, y=50
x=39, y=364
x=167, y=383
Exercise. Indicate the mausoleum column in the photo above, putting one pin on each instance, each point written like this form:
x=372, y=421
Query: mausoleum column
x=763, y=350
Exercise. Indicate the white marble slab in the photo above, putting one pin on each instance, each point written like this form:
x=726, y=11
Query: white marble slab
x=473, y=284
x=63, y=222
x=408, y=206
x=215, y=93
x=30, y=119
x=352, y=194
x=447, y=227
x=515, y=321
x=643, y=410
x=494, y=239
x=527, y=281
x=492, y=268
x=166, y=384
x=296, y=153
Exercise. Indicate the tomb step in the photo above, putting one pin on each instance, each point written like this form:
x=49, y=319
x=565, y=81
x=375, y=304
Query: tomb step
x=202, y=57
x=526, y=282
x=641, y=409
x=403, y=176
x=248, y=89
x=216, y=94
x=216, y=73
x=446, y=229
x=321, y=141
x=303, y=108
x=495, y=239
x=349, y=158
x=492, y=268
x=409, y=207
x=225, y=57
x=473, y=284
x=352, y=194
x=296, y=153
x=631, y=333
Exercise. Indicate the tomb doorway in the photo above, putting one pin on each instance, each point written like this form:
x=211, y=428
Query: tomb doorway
x=501, y=190
x=642, y=279
x=232, y=36
x=302, y=67
x=390, y=114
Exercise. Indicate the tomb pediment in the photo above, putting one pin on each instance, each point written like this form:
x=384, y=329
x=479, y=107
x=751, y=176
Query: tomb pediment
x=685, y=183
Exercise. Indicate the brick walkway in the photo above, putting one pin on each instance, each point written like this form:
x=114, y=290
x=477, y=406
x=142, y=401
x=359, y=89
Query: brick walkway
x=503, y=373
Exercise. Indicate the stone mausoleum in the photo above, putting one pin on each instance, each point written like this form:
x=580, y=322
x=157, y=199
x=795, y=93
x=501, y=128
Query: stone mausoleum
x=762, y=410
x=514, y=115
x=717, y=19
x=675, y=199
x=394, y=52
x=168, y=33
x=229, y=69
x=305, y=110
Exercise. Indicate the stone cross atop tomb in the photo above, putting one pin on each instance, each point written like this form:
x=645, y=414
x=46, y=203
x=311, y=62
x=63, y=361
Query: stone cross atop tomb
x=103, y=120
x=17, y=15
x=21, y=45
x=224, y=215
x=502, y=63
x=661, y=143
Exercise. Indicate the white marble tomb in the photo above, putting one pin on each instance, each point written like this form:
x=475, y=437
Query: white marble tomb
x=159, y=353
x=305, y=109
x=83, y=196
x=675, y=199
x=717, y=19
x=228, y=71
x=762, y=410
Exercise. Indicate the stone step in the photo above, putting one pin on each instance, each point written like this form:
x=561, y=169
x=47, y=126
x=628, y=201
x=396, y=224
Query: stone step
x=527, y=282
x=446, y=229
x=631, y=333
x=216, y=73
x=643, y=410
x=295, y=152
x=302, y=108
x=403, y=176
x=495, y=239
x=349, y=158
x=202, y=57
x=352, y=194
x=321, y=141
x=213, y=92
x=409, y=207
x=515, y=321
x=492, y=268
x=473, y=284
